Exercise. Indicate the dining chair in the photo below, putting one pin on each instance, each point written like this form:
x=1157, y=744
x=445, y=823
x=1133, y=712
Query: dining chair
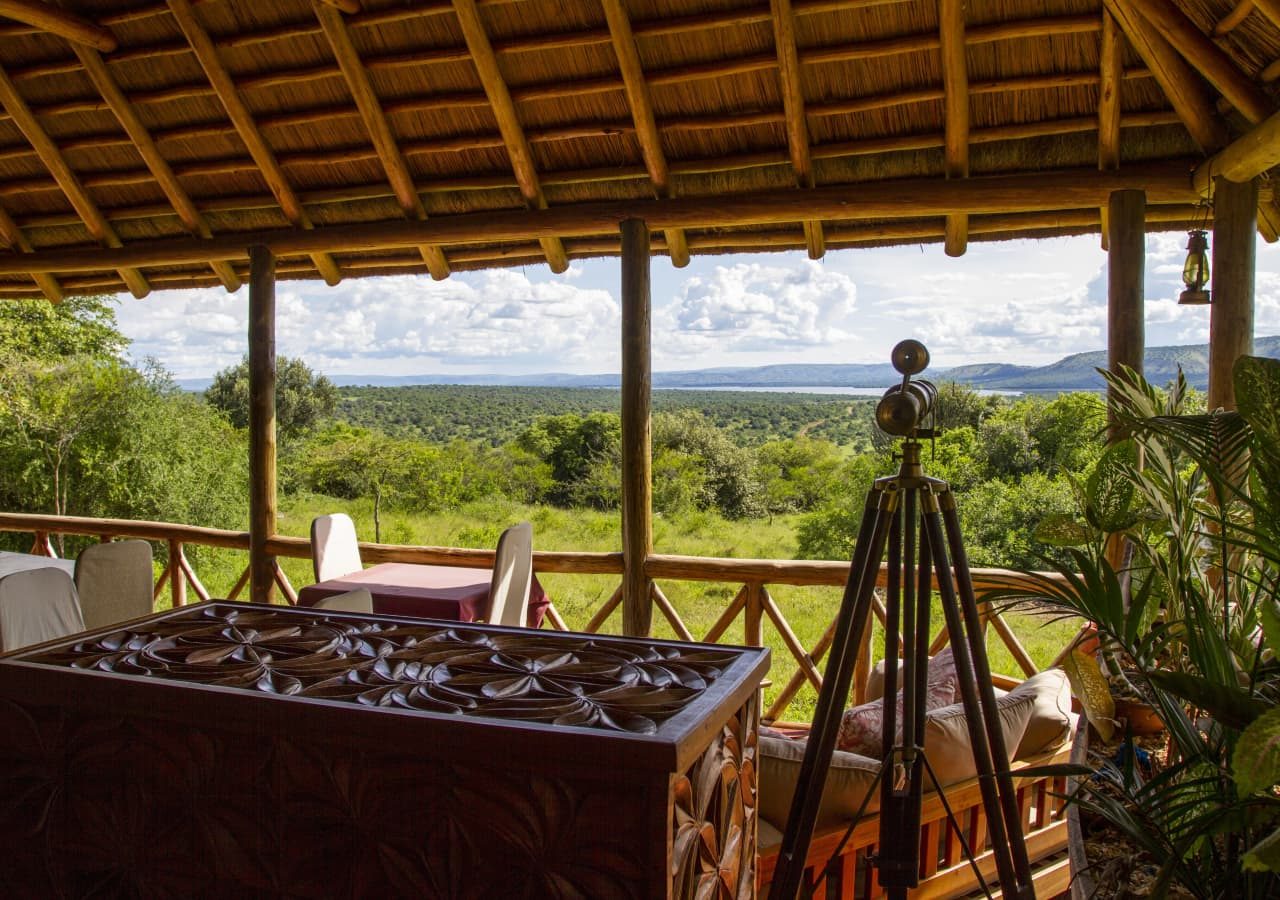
x=512, y=577
x=357, y=601
x=334, y=549
x=114, y=582
x=37, y=605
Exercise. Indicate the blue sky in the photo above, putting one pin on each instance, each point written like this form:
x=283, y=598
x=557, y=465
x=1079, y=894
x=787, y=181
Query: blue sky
x=1015, y=301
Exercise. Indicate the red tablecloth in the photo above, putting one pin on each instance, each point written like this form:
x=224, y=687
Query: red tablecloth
x=433, y=592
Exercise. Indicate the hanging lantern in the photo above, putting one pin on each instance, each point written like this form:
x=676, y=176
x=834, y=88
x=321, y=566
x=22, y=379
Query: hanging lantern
x=1195, y=272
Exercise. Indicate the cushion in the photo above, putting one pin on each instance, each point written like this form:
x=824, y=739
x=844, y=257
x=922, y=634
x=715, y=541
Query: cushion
x=849, y=779
x=862, y=727
x=946, y=737
x=941, y=667
x=1050, y=722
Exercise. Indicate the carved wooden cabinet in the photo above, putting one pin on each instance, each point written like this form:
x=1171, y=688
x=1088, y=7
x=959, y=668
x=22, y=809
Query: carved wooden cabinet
x=232, y=749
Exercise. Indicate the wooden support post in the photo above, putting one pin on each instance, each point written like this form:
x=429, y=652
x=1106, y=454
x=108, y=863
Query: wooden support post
x=1235, y=225
x=637, y=485
x=1126, y=260
x=262, y=420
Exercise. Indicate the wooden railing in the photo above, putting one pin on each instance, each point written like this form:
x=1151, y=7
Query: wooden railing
x=752, y=602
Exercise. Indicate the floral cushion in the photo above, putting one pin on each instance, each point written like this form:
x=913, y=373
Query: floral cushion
x=941, y=667
x=861, y=727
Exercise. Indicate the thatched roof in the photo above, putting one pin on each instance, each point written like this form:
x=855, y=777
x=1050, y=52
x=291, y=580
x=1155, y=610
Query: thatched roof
x=167, y=129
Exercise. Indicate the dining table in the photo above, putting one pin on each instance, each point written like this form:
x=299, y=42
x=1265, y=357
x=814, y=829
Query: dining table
x=454, y=593
x=11, y=562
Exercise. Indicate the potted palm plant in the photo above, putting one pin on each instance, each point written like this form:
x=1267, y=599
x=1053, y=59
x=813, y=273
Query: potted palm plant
x=1175, y=560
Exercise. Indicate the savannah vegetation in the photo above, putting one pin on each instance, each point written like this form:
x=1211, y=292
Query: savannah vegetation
x=736, y=474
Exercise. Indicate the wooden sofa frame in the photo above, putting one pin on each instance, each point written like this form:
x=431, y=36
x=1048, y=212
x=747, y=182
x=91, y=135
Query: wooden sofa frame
x=944, y=871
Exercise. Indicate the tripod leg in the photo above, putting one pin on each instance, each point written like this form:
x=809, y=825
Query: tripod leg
x=851, y=624
x=979, y=719
x=982, y=672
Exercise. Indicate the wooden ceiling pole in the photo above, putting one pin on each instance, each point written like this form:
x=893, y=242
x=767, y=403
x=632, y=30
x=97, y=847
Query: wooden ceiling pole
x=1232, y=20
x=1111, y=73
x=955, y=82
x=13, y=237
x=191, y=217
x=784, y=38
x=66, y=179
x=655, y=160
x=1178, y=80
x=504, y=111
x=48, y=18
x=375, y=122
x=225, y=90
x=1206, y=57
x=896, y=199
x=1270, y=9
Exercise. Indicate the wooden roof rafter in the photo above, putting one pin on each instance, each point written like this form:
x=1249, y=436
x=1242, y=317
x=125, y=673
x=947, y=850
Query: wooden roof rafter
x=15, y=240
x=655, y=160
x=1180, y=83
x=225, y=89
x=51, y=157
x=1204, y=56
x=784, y=39
x=379, y=129
x=955, y=81
x=504, y=111
x=159, y=167
x=45, y=17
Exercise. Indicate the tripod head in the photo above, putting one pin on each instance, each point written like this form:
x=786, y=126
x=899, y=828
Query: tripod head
x=904, y=407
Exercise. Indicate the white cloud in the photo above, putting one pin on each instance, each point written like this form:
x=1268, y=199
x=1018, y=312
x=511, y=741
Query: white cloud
x=1015, y=301
x=753, y=308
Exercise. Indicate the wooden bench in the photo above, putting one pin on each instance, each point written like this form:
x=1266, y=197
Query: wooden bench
x=944, y=870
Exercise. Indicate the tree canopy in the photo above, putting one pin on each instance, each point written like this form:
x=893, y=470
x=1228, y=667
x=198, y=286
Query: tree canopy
x=303, y=398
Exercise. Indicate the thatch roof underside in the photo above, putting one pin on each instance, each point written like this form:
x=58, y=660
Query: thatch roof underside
x=131, y=128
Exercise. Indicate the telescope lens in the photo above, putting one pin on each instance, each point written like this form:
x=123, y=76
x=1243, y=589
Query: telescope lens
x=910, y=357
x=900, y=411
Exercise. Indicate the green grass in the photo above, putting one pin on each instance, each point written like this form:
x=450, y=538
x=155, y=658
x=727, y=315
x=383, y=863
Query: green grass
x=808, y=609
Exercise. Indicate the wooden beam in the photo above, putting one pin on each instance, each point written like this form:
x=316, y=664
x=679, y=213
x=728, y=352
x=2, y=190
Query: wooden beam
x=1110, y=77
x=350, y=7
x=1268, y=220
x=159, y=167
x=15, y=240
x=1207, y=58
x=379, y=129
x=1232, y=20
x=504, y=111
x=1126, y=268
x=793, y=105
x=66, y=179
x=262, y=421
x=637, y=464
x=955, y=84
x=1180, y=83
x=1270, y=9
x=225, y=90
x=902, y=199
x=44, y=17
x=655, y=160
x=1235, y=243
x=1245, y=158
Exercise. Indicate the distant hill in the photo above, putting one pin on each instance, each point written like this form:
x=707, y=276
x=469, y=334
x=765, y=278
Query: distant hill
x=1075, y=372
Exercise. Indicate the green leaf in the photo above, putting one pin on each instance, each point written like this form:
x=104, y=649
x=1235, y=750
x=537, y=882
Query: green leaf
x=1062, y=530
x=1109, y=491
x=1256, y=762
x=1091, y=688
x=1257, y=388
x=1232, y=706
x=1264, y=856
x=1269, y=611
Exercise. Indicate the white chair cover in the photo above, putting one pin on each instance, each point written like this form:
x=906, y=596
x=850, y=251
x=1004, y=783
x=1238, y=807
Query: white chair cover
x=334, y=548
x=357, y=601
x=114, y=582
x=37, y=605
x=512, y=576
